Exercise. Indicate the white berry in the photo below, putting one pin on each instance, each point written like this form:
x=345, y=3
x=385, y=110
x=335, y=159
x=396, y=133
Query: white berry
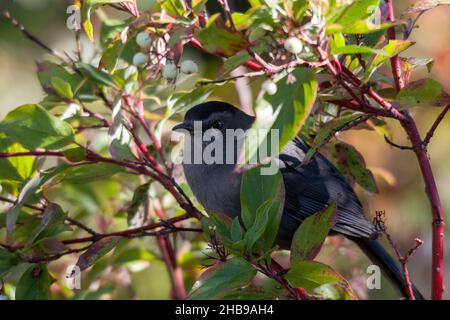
x=170, y=71
x=143, y=39
x=188, y=67
x=269, y=87
x=293, y=45
x=140, y=59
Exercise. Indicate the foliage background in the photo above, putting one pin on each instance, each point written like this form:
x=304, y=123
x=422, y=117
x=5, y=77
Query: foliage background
x=145, y=278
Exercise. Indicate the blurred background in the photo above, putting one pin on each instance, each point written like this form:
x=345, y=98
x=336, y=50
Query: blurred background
x=403, y=199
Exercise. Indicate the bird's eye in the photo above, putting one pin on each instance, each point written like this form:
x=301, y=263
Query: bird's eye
x=217, y=125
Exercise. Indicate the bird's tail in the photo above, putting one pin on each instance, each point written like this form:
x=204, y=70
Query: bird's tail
x=378, y=255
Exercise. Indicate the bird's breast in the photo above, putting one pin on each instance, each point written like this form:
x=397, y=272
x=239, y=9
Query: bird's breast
x=215, y=187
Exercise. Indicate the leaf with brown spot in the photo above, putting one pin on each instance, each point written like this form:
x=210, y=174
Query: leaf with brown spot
x=352, y=162
x=96, y=251
x=309, y=237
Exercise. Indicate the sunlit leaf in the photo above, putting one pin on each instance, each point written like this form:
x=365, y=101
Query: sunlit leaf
x=33, y=127
x=394, y=47
x=62, y=87
x=15, y=168
x=311, y=275
x=282, y=114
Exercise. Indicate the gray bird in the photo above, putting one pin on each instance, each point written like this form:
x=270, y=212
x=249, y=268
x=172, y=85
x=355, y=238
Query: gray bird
x=309, y=187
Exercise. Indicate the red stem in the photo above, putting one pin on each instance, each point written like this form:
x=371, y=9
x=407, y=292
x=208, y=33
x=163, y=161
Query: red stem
x=396, y=64
x=437, y=274
x=174, y=271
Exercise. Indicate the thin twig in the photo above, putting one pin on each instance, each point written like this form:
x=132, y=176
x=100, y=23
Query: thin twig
x=403, y=259
x=436, y=123
x=390, y=142
x=33, y=38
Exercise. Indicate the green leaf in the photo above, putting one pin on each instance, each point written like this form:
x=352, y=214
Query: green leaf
x=96, y=251
x=87, y=25
x=357, y=18
x=353, y=162
x=256, y=190
x=52, y=223
x=221, y=225
x=86, y=11
x=7, y=261
x=34, y=284
x=311, y=234
x=97, y=76
x=234, y=273
x=327, y=131
x=424, y=92
x=87, y=172
x=62, y=87
x=139, y=197
x=353, y=49
x=28, y=190
x=360, y=27
x=236, y=230
x=111, y=55
x=75, y=154
x=257, y=229
x=220, y=40
x=285, y=113
x=358, y=10
x=110, y=29
x=33, y=127
x=174, y=7
x=120, y=137
x=235, y=61
x=310, y=275
x=48, y=70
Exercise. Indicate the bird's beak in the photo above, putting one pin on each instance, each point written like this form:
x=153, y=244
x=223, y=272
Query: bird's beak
x=182, y=127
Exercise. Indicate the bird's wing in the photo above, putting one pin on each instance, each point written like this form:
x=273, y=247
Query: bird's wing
x=314, y=185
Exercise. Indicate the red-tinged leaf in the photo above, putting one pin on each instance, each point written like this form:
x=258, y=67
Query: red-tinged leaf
x=234, y=273
x=309, y=237
x=313, y=276
x=425, y=5
x=96, y=251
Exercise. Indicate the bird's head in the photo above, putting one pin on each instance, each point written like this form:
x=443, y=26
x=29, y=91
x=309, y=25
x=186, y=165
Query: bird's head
x=214, y=115
x=215, y=133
